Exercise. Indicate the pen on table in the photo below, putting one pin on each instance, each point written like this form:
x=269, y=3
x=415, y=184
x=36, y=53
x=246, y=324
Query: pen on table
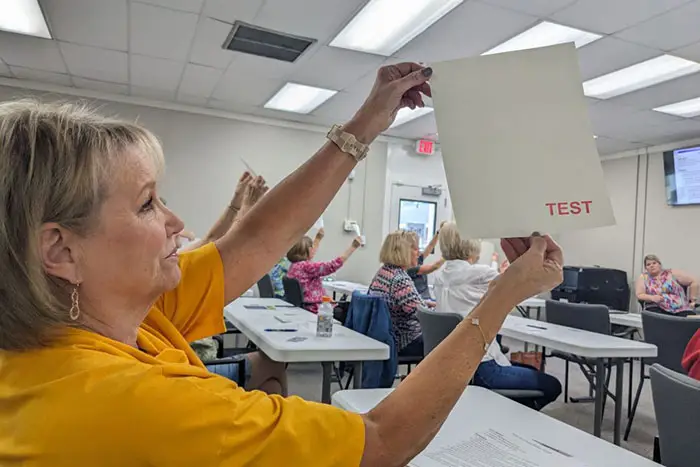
x=553, y=449
x=536, y=327
x=280, y=330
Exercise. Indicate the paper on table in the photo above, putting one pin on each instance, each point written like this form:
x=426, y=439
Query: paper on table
x=517, y=145
x=492, y=448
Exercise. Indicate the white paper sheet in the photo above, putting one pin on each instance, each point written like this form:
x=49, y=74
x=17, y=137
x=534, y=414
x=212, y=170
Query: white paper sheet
x=318, y=224
x=517, y=145
x=492, y=448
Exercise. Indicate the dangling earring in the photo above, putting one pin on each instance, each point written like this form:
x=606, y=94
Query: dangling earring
x=74, y=312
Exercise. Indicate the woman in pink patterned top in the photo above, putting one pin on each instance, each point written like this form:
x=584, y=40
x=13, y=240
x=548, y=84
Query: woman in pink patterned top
x=310, y=273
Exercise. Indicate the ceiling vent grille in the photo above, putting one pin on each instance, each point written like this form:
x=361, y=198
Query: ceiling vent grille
x=262, y=42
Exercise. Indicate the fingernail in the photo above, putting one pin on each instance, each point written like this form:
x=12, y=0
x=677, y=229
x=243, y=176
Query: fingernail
x=427, y=72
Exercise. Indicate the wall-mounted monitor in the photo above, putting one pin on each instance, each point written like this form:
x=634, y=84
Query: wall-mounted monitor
x=682, y=176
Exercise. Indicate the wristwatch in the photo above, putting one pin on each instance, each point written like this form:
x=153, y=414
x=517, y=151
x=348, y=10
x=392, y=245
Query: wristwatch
x=348, y=143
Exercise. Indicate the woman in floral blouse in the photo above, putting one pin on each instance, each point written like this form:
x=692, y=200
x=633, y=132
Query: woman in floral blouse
x=310, y=273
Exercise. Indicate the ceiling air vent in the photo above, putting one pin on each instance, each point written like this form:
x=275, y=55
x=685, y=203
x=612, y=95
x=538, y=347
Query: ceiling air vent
x=255, y=40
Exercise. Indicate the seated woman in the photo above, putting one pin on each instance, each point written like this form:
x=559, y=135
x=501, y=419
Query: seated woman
x=459, y=288
x=97, y=308
x=665, y=288
x=419, y=272
x=310, y=273
x=279, y=271
x=399, y=252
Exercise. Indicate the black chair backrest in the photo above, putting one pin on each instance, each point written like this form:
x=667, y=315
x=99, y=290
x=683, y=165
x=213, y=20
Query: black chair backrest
x=265, y=287
x=436, y=327
x=670, y=335
x=293, y=292
x=677, y=408
x=593, y=318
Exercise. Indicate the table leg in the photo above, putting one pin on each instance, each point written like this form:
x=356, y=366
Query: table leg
x=599, y=396
x=326, y=383
x=629, y=390
x=357, y=375
x=539, y=313
x=619, y=373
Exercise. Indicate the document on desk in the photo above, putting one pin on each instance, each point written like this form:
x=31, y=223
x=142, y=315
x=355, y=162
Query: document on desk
x=517, y=145
x=492, y=448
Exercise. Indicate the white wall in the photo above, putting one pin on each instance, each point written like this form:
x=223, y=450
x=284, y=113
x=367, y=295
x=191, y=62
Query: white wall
x=203, y=165
x=645, y=223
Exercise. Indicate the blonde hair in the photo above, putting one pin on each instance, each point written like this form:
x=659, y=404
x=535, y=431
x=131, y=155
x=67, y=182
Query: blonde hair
x=396, y=249
x=301, y=251
x=55, y=160
x=452, y=246
x=651, y=258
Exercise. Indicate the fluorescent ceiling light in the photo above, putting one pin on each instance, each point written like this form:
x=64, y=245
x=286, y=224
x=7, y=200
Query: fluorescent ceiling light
x=405, y=115
x=545, y=34
x=299, y=98
x=687, y=109
x=23, y=17
x=639, y=76
x=384, y=26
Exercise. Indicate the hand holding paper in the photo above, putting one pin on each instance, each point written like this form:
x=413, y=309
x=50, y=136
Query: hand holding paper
x=519, y=118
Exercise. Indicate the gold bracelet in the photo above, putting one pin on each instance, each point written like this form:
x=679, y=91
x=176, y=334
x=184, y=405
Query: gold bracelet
x=475, y=322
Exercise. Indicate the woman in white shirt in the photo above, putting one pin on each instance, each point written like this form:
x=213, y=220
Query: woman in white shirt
x=458, y=289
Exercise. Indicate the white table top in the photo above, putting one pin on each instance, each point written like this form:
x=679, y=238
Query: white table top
x=345, y=345
x=575, y=341
x=479, y=410
x=631, y=320
x=533, y=302
x=345, y=287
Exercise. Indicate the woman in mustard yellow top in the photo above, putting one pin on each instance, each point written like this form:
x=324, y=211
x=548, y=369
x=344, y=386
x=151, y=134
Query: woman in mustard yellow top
x=97, y=308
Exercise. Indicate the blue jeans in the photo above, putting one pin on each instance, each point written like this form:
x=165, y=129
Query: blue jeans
x=491, y=375
x=232, y=371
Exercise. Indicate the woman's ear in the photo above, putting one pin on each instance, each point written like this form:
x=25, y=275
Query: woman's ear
x=57, y=251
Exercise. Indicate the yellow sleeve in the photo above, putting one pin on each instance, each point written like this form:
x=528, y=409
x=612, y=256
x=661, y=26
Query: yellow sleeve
x=187, y=424
x=196, y=305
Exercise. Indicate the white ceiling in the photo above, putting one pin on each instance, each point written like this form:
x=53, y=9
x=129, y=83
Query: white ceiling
x=171, y=50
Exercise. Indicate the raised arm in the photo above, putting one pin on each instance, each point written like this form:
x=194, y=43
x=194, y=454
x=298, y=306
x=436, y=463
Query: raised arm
x=281, y=217
x=398, y=429
x=431, y=267
x=319, y=236
x=431, y=245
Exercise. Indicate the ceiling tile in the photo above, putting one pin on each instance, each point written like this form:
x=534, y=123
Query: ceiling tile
x=151, y=93
x=192, y=6
x=678, y=131
x=607, y=146
x=333, y=68
x=31, y=52
x=207, y=47
x=192, y=100
x=262, y=66
x=41, y=76
x=246, y=89
x=199, y=80
x=99, y=23
x=94, y=63
x=155, y=73
x=159, y=32
x=327, y=19
x=541, y=8
x=101, y=86
x=228, y=10
x=677, y=28
x=339, y=108
x=690, y=52
x=418, y=128
x=676, y=90
x=608, y=17
x=4, y=69
x=609, y=54
x=469, y=30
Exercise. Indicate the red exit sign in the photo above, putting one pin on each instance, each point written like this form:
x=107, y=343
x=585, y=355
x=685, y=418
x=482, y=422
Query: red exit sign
x=425, y=146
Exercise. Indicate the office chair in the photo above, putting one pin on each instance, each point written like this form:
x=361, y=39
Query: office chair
x=265, y=287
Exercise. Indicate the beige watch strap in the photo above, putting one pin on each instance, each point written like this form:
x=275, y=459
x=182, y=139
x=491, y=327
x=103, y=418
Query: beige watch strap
x=348, y=143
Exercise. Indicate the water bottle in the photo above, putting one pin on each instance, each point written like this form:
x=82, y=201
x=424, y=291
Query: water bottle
x=324, y=324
